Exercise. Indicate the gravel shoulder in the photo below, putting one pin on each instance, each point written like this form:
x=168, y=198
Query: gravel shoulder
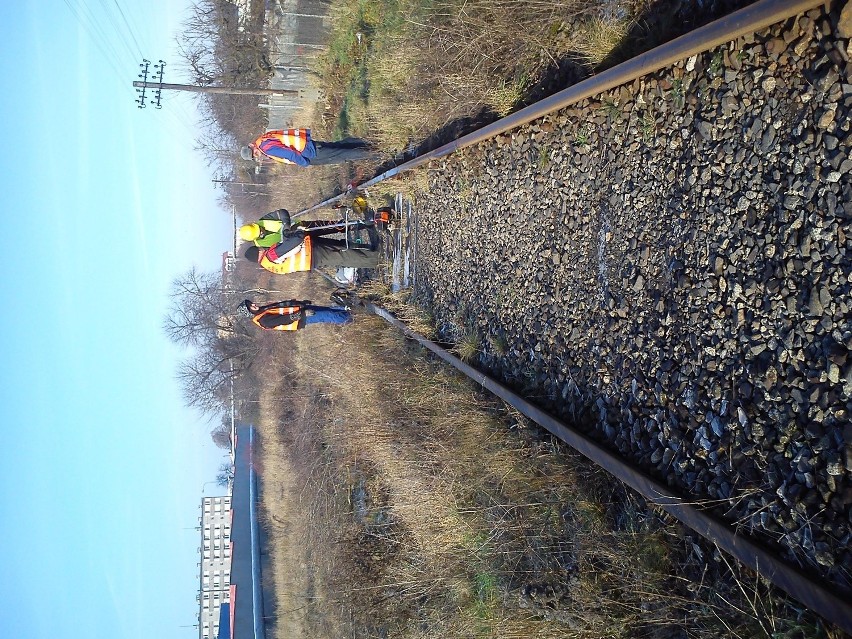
x=668, y=267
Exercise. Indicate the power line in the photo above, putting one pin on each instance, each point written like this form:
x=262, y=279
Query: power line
x=106, y=29
x=129, y=28
x=108, y=54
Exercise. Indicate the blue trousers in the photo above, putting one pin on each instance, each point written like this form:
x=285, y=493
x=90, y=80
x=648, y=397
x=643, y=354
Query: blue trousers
x=327, y=315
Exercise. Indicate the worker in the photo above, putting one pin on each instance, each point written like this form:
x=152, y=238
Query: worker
x=269, y=230
x=295, y=146
x=303, y=250
x=291, y=315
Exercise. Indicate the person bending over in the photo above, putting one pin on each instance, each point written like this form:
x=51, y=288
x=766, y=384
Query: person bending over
x=292, y=315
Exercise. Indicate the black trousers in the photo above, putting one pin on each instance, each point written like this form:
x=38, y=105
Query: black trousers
x=326, y=253
x=346, y=150
x=335, y=227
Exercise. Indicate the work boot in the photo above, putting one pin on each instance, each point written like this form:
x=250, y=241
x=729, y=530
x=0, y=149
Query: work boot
x=339, y=298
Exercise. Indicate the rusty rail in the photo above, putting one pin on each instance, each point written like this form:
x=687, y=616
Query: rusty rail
x=798, y=584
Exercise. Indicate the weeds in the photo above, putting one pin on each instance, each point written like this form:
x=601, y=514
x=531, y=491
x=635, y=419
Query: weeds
x=415, y=317
x=463, y=188
x=543, y=158
x=598, y=37
x=498, y=344
x=485, y=585
x=677, y=93
x=583, y=135
x=411, y=184
x=716, y=65
x=612, y=110
x=648, y=127
x=503, y=97
x=468, y=346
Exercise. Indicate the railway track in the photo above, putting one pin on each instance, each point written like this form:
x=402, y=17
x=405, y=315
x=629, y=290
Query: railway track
x=657, y=257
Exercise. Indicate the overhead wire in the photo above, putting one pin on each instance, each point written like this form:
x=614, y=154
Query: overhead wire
x=173, y=106
x=107, y=50
x=107, y=31
x=127, y=24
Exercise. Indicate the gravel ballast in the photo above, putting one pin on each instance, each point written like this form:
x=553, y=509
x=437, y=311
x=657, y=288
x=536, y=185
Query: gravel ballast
x=668, y=267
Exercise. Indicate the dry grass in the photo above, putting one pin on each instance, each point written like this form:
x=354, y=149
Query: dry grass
x=402, y=502
x=415, y=317
x=468, y=346
x=411, y=184
x=598, y=37
x=420, y=65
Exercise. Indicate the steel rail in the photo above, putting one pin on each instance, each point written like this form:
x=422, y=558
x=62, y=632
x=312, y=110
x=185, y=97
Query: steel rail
x=792, y=580
x=745, y=21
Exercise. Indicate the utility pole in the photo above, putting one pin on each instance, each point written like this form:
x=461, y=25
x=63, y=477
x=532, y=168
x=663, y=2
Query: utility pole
x=219, y=181
x=229, y=90
x=157, y=85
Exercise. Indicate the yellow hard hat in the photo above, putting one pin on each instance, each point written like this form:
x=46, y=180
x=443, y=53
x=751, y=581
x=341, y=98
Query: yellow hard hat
x=250, y=232
x=359, y=204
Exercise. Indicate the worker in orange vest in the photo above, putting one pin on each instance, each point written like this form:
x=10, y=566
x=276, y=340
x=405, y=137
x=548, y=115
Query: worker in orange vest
x=304, y=250
x=295, y=146
x=291, y=315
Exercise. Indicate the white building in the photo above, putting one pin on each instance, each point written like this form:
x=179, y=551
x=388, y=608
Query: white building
x=215, y=573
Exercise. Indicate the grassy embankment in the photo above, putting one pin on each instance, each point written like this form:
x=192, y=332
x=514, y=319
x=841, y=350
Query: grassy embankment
x=399, y=70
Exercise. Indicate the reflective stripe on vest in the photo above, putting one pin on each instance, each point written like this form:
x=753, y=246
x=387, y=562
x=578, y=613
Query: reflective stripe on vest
x=298, y=260
x=287, y=310
x=296, y=139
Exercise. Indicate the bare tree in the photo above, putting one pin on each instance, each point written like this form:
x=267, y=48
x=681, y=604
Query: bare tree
x=225, y=475
x=216, y=50
x=201, y=305
x=217, y=145
x=203, y=318
x=221, y=435
x=219, y=46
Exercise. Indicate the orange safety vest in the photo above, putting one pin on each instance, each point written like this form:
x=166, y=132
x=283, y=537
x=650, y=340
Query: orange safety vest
x=296, y=139
x=298, y=260
x=287, y=310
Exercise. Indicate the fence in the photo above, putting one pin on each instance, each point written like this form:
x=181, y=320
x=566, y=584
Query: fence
x=297, y=31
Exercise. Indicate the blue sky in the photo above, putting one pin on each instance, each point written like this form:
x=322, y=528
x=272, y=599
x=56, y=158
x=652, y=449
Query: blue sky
x=103, y=205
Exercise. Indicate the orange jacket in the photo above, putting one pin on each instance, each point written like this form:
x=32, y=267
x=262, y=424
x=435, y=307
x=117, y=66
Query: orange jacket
x=296, y=260
x=287, y=146
x=280, y=318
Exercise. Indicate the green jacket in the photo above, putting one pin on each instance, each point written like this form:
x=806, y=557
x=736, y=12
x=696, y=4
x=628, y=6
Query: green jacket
x=271, y=225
